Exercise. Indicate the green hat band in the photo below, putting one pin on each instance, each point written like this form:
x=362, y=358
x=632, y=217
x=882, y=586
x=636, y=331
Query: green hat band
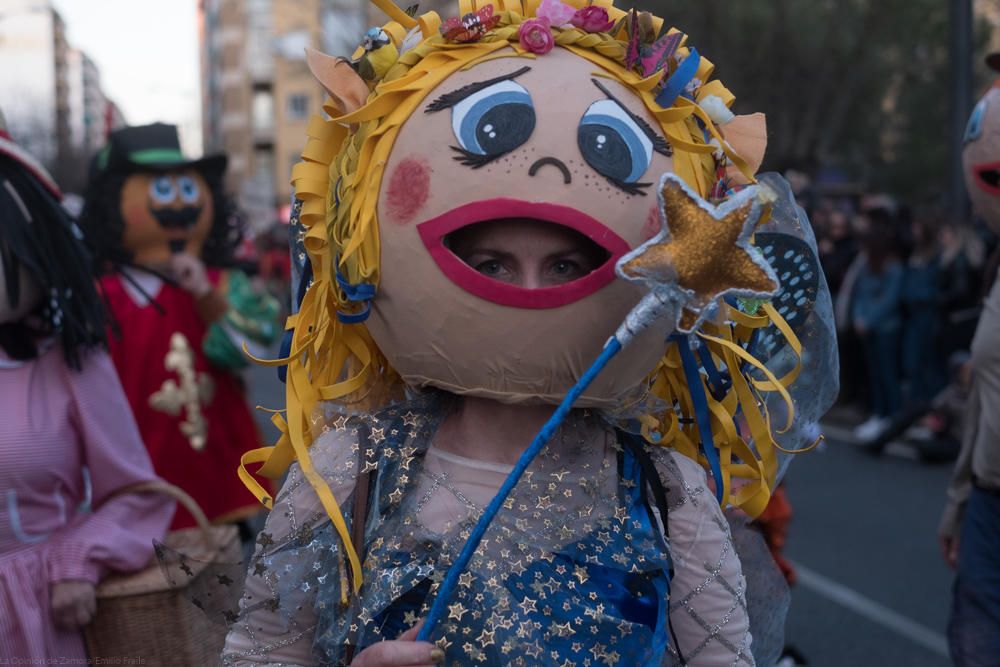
x=156, y=156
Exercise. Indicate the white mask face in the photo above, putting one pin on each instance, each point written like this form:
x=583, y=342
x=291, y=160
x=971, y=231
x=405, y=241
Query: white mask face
x=981, y=158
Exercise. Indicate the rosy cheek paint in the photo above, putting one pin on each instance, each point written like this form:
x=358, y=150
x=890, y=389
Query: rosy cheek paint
x=136, y=212
x=409, y=188
x=652, y=226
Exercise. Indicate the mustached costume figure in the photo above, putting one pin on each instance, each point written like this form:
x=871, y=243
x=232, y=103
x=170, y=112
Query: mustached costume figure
x=970, y=528
x=163, y=236
x=68, y=442
x=480, y=215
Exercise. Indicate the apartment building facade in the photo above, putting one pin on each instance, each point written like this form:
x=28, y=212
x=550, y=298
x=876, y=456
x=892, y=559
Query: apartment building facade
x=258, y=93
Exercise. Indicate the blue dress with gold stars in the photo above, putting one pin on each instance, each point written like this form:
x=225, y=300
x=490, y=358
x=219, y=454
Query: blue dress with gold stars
x=576, y=570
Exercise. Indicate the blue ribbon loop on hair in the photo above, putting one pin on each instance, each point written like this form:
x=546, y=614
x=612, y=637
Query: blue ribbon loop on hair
x=362, y=293
x=679, y=80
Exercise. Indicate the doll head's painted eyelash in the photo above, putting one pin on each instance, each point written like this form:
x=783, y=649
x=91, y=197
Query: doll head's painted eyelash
x=474, y=160
x=448, y=100
x=630, y=188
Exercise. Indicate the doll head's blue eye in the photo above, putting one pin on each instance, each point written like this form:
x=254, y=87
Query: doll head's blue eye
x=162, y=190
x=189, y=189
x=494, y=120
x=613, y=143
x=974, y=129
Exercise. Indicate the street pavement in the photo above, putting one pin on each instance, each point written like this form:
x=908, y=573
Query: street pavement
x=873, y=590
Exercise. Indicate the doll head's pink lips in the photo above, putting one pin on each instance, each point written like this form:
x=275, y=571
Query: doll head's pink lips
x=434, y=231
x=988, y=177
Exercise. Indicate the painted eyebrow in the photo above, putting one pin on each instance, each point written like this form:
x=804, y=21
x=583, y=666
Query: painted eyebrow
x=660, y=144
x=448, y=100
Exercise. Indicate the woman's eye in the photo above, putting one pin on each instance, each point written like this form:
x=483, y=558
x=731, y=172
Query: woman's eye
x=189, y=189
x=565, y=268
x=490, y=268
x=162, y=190
x=495, y=120
x=974, y=129
x=613, y=144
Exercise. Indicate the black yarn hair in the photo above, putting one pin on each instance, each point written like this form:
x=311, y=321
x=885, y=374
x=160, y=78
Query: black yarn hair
x=49, y=246
x=103, y=224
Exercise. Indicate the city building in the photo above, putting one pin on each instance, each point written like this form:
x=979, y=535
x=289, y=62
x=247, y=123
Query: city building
x=34, y=87
x=50, y=92
x=257, y=92
x=91, y=114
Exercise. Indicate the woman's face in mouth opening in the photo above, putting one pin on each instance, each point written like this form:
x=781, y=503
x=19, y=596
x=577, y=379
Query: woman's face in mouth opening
x=524, y=253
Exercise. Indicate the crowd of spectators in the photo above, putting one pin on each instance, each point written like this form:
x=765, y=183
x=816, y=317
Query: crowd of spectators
x=907, y=283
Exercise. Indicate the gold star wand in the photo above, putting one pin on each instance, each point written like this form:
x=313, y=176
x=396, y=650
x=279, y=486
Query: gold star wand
x=701, y=254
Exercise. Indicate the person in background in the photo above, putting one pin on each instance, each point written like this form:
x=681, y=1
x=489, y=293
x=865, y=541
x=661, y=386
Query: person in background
x=837, y=249
x=68, y=442
x=923, y=364
x=876, y=316
x=969, y=533
x=960, y=268
x=164, y=238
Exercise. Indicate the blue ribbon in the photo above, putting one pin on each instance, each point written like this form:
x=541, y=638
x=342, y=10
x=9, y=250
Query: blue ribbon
x=362, y=293
x=548, y=430
x=718, y=382
x=701, y=413
x=355, y=318
x=286, y=340
x=679, y=80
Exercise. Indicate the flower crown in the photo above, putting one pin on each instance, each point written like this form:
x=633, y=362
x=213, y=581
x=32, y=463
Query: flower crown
x=646, y=53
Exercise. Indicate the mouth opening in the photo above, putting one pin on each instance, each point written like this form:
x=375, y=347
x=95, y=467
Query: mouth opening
x=180, y=218
x=988, y=177
x=523, y=254
x=526, y=252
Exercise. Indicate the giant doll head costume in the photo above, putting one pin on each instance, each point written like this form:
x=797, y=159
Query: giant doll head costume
x=146, y=202
x=981, y=155
x=548, y=113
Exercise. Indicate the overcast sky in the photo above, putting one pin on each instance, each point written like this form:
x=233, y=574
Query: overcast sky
x=147, y=51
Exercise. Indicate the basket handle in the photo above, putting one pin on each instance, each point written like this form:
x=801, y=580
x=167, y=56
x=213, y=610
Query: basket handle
x=178, y=494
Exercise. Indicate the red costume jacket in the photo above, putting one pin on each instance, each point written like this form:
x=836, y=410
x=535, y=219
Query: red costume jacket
x=193, y=416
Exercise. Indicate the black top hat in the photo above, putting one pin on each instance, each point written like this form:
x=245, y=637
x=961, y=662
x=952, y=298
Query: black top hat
x=155, y=147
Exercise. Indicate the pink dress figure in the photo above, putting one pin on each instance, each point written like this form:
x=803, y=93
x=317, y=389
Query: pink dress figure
x=68, y=442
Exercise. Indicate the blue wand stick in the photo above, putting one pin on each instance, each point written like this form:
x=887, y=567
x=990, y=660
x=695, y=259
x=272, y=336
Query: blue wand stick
x=652, y=306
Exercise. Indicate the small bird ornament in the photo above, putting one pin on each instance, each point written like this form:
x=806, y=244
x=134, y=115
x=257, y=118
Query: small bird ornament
x=379, y=55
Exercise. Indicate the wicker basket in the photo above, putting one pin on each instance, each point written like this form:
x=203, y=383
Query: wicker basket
x=142, y=618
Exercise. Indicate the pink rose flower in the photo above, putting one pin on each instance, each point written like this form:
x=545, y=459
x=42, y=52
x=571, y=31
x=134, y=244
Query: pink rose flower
x=558, y=13
x=535, y=35
x=592, y=19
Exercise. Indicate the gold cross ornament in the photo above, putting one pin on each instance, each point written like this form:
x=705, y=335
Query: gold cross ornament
x=194, y=390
